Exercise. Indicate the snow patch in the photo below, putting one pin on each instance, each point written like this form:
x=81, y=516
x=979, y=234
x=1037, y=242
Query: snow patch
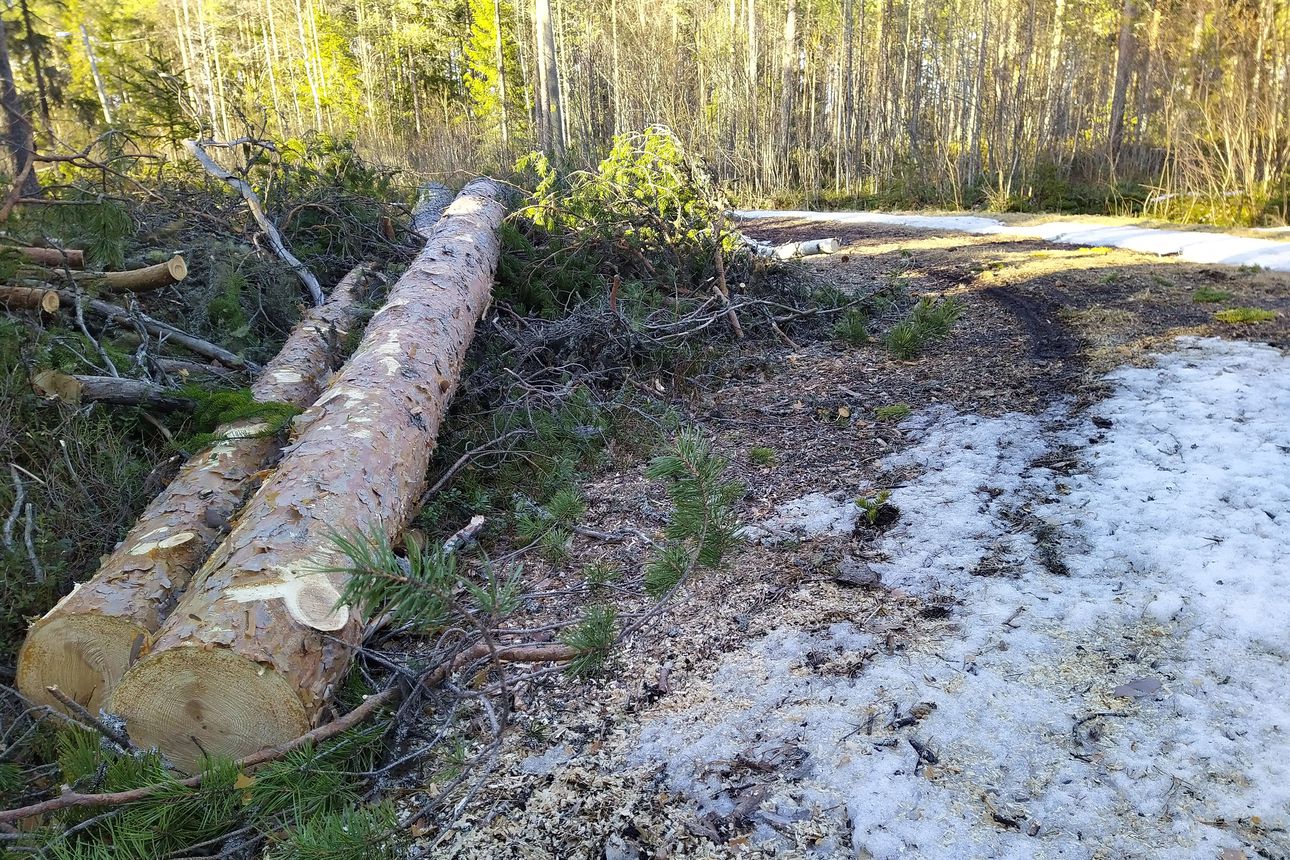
x=1194, y=246
x=1112, y=679
x=812, y=515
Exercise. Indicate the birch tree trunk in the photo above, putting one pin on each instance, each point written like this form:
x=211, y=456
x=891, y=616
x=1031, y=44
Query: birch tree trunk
x=84, y=644
x=256, y=647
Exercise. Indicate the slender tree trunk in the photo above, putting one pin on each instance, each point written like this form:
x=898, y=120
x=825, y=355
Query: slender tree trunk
x=788, y=85
x=1123, y=71
x=501, y=76
x=94, y=73
x=37, y=67
x=552, y=126
x=17, y=126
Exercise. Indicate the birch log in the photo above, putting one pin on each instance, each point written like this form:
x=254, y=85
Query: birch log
x=84, y=644
x=258, y=643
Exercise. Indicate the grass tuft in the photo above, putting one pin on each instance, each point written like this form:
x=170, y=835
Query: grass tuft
x=761, y=456
x=1209, y=295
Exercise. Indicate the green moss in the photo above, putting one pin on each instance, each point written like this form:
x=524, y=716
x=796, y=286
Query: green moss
x=1245, y=316
x=761, y=456
x=215, y=407
x=894, y=412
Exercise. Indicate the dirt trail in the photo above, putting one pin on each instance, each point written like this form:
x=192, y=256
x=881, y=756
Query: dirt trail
x=1067, y=644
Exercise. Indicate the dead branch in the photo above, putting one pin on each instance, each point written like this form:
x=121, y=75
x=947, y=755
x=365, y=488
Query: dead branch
x=118, y=315
x=19, y=496
x=257, y=212
x=28, y=527
x=89, y=719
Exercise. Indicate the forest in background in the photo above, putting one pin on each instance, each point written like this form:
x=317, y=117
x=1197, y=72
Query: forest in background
x=1170, y=108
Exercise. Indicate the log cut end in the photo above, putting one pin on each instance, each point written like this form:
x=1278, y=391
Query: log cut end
x=82, y=655
x=190, y=700
x=177, y=268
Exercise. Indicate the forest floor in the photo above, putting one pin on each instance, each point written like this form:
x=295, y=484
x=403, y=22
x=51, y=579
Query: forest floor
x=1069, y=643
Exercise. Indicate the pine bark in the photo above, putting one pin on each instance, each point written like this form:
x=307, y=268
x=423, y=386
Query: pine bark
x=251, y=655
x=84, y=644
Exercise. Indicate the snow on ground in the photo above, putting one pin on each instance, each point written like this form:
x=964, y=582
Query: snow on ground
x=1114, y=680
x=1192, y=246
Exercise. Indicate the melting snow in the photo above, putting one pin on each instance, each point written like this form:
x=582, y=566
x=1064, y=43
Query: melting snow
x=1114, y=679
x=1196, y=247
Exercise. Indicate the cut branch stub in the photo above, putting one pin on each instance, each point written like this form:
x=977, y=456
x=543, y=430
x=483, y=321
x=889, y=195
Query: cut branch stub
x=85, y=643
x=253, y=651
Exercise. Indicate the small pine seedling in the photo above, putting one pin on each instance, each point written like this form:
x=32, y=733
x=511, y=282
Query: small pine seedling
x=905, y=340
x=1209, y=295
x=873, y=507
x=598, y=574
x=554, y=545
x=762, y=456
x=594, y=638
x=936, y=319
x=894, y=412
x=852, y=328
x=1245, y=316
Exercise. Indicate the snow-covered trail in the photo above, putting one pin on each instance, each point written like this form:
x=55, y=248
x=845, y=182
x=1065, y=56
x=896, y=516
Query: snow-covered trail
x=1192, y=246
x=1114, y=677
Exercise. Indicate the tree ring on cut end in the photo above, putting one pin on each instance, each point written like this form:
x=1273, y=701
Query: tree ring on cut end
x=84, y=655
x=190, y=699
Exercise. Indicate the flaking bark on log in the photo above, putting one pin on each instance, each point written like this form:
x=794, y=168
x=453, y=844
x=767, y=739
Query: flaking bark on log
x=257, y=645
x=85, y=643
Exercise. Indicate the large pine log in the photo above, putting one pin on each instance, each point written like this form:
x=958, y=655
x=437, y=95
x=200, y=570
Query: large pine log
x=258, y=643
x=84, y=644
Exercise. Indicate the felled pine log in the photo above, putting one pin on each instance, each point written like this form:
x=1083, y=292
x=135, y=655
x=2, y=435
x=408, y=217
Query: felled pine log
x=139, y=280
x=258, y=643
x=75, y=389
x=30, y=299
x=84, y=644
x=59, y=258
